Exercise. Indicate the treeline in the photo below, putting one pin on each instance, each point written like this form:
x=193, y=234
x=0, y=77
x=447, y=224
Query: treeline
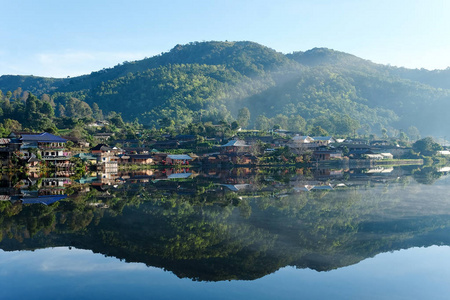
x=23, y=111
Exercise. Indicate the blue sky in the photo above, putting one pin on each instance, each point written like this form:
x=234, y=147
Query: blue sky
x=69, y=38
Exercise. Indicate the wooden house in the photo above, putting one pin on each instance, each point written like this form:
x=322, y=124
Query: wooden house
x=235, y=146
x=178, y=159
x=140, y=159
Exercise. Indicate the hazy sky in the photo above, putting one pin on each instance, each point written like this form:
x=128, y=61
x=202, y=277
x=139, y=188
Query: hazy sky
x=59, y=38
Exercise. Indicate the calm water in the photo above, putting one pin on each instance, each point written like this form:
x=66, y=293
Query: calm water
x=239, y=234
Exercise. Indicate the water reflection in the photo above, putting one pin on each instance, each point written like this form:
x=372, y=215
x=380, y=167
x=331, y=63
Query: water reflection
x=230, y=224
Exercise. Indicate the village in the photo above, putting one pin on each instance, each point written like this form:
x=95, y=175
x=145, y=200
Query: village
x=35, y=150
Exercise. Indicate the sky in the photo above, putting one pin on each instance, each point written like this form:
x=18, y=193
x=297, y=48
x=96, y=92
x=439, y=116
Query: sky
x=56, y=38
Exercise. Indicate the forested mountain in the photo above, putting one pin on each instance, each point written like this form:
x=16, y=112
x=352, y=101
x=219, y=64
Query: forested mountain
x=213, y=81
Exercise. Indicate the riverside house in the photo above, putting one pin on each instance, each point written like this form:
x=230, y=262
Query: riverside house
x=180, y=159
x=51, y=147
x=235, y=146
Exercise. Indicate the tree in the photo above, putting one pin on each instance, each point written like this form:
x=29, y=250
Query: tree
x=117, y=121
x=281, y=120
x=97, y=112
x=426, y=146
x=61, y=111
x=262, y=123
x=31, y=108
x=318, y=131
x=243, y=117
x=47, y=109
x=12, y=125
x=413, y=133
x=384, y=133
x=234, y=125
x=296, y=123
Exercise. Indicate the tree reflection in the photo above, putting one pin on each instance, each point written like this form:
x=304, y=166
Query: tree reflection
x=205, y=229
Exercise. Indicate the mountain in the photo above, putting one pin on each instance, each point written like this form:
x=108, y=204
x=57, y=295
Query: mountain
x=214, y=80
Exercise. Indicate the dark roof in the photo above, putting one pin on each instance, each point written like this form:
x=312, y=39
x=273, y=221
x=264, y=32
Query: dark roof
x=46, y=200
x=104, y=134
x=99, y=147
x=185, y=136
x=170, y=142
x=360, y=152
x=43, y=137
x=140, y=156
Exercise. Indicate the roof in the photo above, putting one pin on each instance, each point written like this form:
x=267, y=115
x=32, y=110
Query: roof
x=301, y=137
x=366, y=151
x=235, y=143
x=99, y=147
x=84, y=180
x=236, y=187
x=179, y=176
x=85, y=156
x=179, y=156
x=5, y=141
x=140, y=156
x=104, y=134
x=46, y=200
x=322, y=138
x=43, y=137
x=322, y=187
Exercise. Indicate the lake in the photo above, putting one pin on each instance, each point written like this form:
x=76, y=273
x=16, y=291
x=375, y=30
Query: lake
x=381, y=233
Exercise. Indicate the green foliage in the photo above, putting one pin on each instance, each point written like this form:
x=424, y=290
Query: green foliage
x=426, y=146
x=213, y=81
x=243, y=117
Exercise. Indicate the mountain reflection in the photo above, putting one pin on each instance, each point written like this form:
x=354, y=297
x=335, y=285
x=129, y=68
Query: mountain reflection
x=230, y=224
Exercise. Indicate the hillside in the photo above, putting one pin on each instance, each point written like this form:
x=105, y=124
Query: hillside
x=214, y=80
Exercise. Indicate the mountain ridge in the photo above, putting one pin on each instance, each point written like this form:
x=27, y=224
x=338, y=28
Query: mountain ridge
x=217, y=79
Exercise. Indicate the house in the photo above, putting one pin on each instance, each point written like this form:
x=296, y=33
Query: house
x=235, y=146
x=51, y=147
x=327, y=154
x=356, y=141
x=379, y=143
x=106, y=157
x=387, y=155
x=98, y=124
x=141, y=159
x=359, y=154
x=77, y=142
x=374, y=156
x=105, y=149
x=178, y=159
x=159, y=157
x=300, y=141
x=103, y=136
x=322, y=141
